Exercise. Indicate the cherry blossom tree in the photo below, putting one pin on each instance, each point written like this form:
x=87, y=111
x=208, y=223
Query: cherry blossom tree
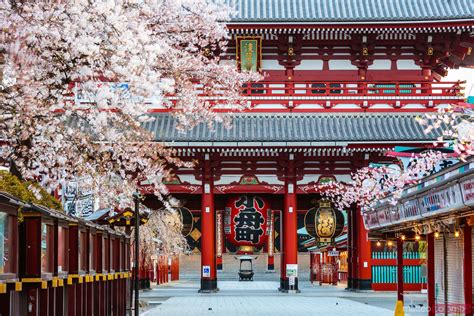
x=455, y=123
x=371, y=184
x=80, y=77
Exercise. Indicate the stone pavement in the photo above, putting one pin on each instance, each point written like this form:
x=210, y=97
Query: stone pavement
x=263, y=298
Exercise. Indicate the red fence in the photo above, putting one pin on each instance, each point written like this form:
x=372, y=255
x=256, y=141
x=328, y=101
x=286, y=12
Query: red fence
x=364, y=93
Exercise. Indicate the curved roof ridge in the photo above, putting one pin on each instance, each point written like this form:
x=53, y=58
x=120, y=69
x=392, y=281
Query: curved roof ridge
x=261, y=11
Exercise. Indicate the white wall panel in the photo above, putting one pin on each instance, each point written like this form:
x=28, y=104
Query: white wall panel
x=310, y=65
x=407, y=65
x=343, y=64
x=271, y=64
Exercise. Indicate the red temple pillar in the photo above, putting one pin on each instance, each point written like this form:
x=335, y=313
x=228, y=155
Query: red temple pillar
x=208, y=225
x=400, y=270
x=468, y=269
x=349, y=250
x=162, y=269
x=364, y=252
x=289, y=280
x=167, y=269
x=431, y=274
x=177, y=267
x=158, y=271
x=353, y=248
x=314, y=267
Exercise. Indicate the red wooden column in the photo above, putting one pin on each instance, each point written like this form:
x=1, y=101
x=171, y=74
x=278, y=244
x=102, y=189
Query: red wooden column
x=208, y=225
x=431, y=274
x=400, y=269
x=163, y=267
x=354, y=247
x=468, y=269
x=166, y=270
x=364, y=255
x=157, y=271
x=290, y=237
x=317, y=267
x=349, y=252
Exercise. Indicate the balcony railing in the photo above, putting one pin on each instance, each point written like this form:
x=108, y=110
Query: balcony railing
x=328, y=94
x=352, y=89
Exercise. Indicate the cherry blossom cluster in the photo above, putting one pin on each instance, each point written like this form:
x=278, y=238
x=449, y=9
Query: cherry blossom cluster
x=79, y=78
x=456, y=126
x=370, y=184
x=162, y=235
x=122, y=59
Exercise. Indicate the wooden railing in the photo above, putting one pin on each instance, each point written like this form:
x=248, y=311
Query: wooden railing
x=353, y=89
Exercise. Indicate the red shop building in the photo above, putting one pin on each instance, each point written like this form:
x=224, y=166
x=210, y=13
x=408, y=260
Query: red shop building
x=439, y=210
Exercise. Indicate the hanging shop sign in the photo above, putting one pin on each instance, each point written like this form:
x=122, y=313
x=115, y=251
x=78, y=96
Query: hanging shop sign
x=467, y=188
x=324, y=222
x=271, y=235
x=441, y=200
x=246, y=222
x=370, y=219
x=393, y=214
x=333, y=253
x=408, y=156
x=78, y=198
x=382, y=217
x=219, y=234
x=410, y=208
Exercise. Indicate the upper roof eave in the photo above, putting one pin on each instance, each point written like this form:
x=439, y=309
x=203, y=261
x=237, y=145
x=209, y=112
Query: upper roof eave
x=282, y=22
x=349, y=11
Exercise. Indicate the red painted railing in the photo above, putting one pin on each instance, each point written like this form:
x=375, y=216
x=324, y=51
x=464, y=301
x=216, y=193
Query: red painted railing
x=328, y=94
x=365, y=94
x=345, y=88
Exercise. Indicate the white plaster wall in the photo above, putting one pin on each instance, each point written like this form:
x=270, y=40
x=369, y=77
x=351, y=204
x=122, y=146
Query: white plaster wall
x=407, y=65
x=309, y=64
x=271, y=64
x=343, y=64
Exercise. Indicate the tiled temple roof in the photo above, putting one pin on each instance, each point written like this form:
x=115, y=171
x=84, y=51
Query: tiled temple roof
x=261, y=11
x=302, y=128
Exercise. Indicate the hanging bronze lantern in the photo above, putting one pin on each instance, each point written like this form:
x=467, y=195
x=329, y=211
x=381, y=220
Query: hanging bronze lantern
x=187, y=220
x=324, y=222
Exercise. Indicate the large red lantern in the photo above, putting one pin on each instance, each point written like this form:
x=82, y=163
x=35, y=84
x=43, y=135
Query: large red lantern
x=245, y=223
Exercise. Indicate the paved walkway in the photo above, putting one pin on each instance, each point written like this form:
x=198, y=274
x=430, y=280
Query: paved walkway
x=263, y=298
